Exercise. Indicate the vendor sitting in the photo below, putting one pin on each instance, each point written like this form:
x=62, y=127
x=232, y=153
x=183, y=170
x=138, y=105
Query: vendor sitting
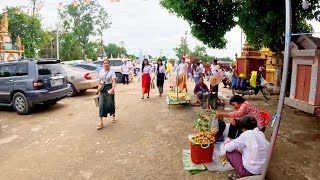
x=247, y=153
x=200, y=89
x=243, y=108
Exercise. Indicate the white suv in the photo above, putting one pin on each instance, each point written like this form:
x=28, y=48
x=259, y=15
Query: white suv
x=116, y=65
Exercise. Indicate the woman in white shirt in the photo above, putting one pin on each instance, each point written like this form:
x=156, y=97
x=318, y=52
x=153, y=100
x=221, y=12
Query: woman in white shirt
x=214, y=67
x=183, y=70
x=145, y=74
x=161, y=74
x=247, y=153
x=196, y=71
x=106, y=95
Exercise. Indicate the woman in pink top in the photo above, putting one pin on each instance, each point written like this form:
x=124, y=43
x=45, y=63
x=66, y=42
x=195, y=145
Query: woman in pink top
x=243, y=108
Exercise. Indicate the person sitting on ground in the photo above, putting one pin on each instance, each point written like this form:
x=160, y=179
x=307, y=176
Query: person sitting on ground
x=247, y=153
x=200, y=89
x=243, y=108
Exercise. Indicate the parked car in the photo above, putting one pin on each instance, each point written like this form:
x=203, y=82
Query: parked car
x=89, y=67
x=74, y=62
x=116, y=66
x=80, y=79
x=26, y=83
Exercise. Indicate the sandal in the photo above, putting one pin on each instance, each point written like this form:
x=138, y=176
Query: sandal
x=114, y=120
x=233, y=177
x=100, y=126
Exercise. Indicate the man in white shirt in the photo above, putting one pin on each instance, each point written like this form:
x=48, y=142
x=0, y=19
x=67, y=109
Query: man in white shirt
x=125, y=69
x=247, y=153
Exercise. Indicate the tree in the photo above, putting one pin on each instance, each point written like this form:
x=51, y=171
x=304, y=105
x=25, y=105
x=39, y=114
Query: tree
x=114, y=50
x=93, y=50
x=182, y=48
x=70, y=49
x=262, y=21
x=132, y=56
x=84, y=21
x=164, y=58
x=199, y=51
x=27, y=27
x=102, y=24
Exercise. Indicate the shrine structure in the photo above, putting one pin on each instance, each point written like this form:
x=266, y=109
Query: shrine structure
x=8, y=50
x=249, y=61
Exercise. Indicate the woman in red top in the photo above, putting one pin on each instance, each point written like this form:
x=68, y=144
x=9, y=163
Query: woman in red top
x=243, y=108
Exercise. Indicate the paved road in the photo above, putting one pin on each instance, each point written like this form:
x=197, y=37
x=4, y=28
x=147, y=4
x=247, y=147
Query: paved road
x=61, y=142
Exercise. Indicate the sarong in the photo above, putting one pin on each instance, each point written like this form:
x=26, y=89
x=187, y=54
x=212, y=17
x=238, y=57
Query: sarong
x=146, y=80
x=183, y=85
x=106, y=102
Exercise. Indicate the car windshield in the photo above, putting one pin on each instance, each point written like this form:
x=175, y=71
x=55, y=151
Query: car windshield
x=98, y=62
x=87, y=67
x=116, y=63
x=49, y=69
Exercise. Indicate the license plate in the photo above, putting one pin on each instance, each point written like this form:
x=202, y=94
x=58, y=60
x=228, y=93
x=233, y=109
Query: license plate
x=57, y=82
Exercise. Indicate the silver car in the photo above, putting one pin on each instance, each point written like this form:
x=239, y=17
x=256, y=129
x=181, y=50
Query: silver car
x=80, y=79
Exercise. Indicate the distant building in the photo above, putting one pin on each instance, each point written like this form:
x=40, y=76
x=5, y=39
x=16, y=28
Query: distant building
x=8, y=50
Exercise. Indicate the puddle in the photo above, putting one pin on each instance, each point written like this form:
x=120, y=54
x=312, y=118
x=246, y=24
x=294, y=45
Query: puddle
x=8, y=139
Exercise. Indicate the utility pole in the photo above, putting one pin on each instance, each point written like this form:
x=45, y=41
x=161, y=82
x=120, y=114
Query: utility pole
x=161, y=53
x=57, y=44
x=51, y=47
x=186, y=44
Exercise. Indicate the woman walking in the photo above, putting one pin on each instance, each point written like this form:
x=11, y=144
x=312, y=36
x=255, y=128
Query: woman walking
x=183, y=70
x=160, y=73
x=196, y=71
x=145, y=74
x=106, y=93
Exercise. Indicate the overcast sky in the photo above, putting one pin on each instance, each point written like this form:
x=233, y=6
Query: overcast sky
x=142, y=25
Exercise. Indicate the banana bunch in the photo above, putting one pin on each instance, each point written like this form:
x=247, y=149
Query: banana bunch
x=203, y=138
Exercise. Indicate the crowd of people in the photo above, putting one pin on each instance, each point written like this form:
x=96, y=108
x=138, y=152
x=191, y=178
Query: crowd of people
x=246, y=144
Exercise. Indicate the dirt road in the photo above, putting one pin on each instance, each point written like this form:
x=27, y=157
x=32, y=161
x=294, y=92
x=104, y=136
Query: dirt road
x=61, y=142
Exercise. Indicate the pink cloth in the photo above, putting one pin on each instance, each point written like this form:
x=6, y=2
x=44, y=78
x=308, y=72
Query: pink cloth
x=248, y=109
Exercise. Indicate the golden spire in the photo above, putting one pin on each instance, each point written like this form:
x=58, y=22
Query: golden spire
x=4, y=23
x=18, y=41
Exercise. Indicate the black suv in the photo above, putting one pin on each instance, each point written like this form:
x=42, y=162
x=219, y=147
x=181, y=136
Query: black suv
x=26, y=83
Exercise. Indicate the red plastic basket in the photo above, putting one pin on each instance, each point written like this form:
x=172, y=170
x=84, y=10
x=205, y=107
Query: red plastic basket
x=201, y=155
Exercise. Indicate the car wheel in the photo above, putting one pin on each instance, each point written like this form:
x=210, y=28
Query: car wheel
x=72, y=91
x=83, y=90
x=20, y=104
x=119, y=77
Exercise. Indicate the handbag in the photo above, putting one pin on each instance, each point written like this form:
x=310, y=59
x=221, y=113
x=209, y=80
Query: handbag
x=101, y=85
x=263, y=82
x=152, y=85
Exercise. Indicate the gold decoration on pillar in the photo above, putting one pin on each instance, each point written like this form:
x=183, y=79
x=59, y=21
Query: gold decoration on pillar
x=18, y=41
x=75, y=3
x=4, y=23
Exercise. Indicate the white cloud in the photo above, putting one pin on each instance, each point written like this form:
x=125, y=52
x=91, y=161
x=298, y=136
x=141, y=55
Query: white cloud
x=143, y=25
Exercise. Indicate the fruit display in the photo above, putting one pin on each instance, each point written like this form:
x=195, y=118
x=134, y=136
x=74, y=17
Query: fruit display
x=204, y=138
x=214, y=130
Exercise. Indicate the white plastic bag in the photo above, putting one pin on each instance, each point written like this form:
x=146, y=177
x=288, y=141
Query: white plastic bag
x=216, y=165
x=214, y=123
x=263, y=82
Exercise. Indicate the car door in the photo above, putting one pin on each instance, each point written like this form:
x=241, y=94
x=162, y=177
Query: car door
x=6, y=82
